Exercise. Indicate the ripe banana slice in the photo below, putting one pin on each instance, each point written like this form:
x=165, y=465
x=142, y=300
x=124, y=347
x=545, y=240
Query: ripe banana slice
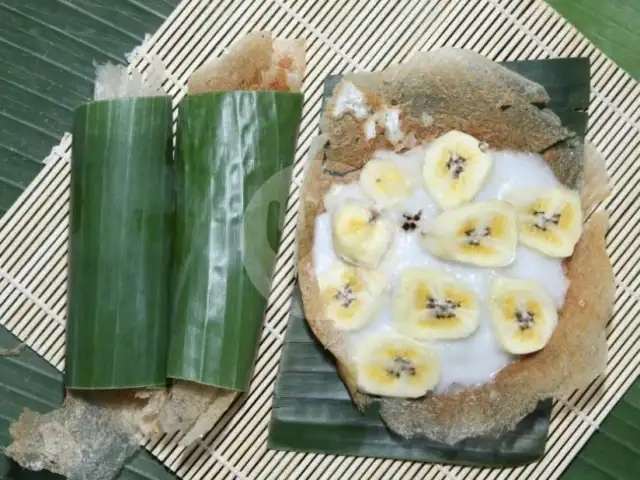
x=430, y=305
x=523, y=315
x=484, y=234
x=351, y=295
x=395, y=366
x=549, y=221
x=385, y=183
x=361, y=235
x=455, y=168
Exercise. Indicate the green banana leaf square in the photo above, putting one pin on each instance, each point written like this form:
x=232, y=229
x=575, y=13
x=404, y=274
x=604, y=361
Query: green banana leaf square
x=312, y=410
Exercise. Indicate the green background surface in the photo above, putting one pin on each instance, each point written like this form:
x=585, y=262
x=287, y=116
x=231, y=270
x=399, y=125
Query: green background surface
x=47, y=53
x=612, y=25
x=48, y=49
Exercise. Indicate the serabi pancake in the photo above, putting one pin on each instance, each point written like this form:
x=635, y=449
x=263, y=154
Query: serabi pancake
x=459, y=90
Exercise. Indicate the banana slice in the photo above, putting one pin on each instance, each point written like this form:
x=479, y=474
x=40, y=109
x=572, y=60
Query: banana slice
x=455, y=168
x=549, y=221
x=351, y=295
x=385, y=183
x=360, y=234
x=484, y=234
x=523, y=315
x=430, y=305
x=395, y=366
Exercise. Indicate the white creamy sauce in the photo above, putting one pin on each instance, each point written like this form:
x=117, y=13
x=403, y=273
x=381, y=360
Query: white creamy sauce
x=476, y=359
x=389, y=120
x=350, y=99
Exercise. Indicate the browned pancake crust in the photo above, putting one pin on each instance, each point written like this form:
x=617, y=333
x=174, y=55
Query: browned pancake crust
x=462, y=90
x=255, y=62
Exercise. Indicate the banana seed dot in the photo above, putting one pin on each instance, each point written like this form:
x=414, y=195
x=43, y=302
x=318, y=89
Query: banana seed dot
x=543, y=220
x=445, y=309
x=345, y=296
x=456, y=165
x=401, y=366
x=525, y=320
x=475, y=235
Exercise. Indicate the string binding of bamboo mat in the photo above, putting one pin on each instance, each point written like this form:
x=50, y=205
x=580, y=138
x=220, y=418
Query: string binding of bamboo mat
x=344, y=36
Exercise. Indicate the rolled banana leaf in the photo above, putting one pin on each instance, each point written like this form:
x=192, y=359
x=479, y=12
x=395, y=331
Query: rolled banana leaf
x=229, y=145
x=312, y=410
x=120, y=237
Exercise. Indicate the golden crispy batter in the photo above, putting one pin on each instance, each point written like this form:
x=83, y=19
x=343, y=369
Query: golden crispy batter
x=255, y=62
x=462, y=90
x=453, y=89
x=596, y=185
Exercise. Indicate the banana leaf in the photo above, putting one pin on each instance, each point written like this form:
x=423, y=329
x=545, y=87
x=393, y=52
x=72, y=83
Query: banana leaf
x=613, y=26
x=312, y=410
x=229, y=145
x=120, y=233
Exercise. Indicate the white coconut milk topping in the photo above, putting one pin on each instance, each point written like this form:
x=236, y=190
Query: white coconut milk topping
x=476, y=359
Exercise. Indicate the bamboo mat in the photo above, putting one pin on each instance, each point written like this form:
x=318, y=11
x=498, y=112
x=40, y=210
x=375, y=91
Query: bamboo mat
x=344, y=36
